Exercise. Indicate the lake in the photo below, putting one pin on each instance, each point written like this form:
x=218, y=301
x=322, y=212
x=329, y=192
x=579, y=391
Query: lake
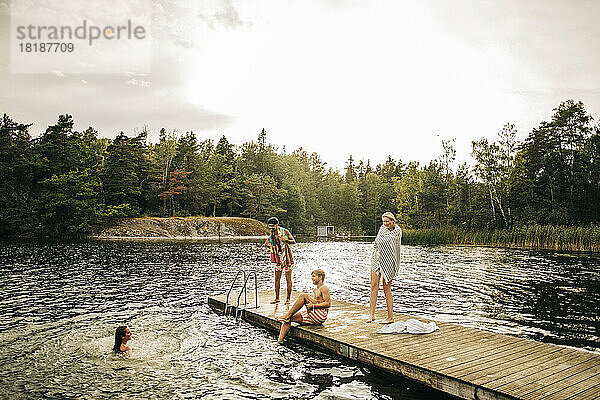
x=60, y=303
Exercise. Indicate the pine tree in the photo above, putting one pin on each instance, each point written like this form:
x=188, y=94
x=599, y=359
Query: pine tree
x=120, y=175
x=16, y=177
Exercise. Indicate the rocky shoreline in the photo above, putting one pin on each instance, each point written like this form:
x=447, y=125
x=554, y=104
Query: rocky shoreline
x=185, y=228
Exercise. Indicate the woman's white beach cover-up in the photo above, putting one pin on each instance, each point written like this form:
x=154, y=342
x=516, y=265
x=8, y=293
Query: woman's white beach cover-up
x=386, y=254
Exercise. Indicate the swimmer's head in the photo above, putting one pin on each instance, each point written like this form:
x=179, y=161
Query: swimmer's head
x=121, y=334
x=316, y=274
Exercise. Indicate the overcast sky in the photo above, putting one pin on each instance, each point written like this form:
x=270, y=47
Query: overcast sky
x=339, y=77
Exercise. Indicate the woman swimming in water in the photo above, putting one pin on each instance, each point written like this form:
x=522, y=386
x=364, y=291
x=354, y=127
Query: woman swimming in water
x=122, y=336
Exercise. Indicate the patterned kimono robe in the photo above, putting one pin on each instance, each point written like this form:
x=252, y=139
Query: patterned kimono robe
x=385, y=260
x=281, y=252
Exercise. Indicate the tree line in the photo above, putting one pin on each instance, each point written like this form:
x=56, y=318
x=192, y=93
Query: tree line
x=67, y=183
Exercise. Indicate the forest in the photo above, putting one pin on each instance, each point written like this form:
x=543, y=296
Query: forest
x=65, y=183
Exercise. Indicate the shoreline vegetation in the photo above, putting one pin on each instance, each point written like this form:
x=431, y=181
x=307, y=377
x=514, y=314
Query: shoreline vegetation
x=562, y=238
x=65, y=183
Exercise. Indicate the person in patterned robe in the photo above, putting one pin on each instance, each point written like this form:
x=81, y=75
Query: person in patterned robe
x=281, y=255
x=385, y=263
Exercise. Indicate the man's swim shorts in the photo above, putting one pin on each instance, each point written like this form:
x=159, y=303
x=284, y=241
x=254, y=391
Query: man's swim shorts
x=314, y=317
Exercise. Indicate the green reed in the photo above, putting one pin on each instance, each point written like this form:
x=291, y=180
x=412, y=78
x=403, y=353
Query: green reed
x=569, y=238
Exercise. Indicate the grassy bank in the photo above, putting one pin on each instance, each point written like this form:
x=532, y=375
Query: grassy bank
x=534, y=236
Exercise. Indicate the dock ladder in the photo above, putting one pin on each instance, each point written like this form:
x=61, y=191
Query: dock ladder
x=244, y=290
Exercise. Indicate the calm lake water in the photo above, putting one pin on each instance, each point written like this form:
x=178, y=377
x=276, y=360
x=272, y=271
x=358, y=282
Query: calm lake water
x=60, y=304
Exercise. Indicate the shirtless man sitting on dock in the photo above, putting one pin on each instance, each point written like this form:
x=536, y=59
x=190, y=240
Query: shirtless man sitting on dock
x=317, y=306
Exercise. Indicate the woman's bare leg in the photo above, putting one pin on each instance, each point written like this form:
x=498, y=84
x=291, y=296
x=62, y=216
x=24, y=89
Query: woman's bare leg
x=373, y=298
x=288, y=280
x=277, y=286
x=389, y=302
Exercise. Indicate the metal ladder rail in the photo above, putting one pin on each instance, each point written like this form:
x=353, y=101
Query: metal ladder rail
x=238, y=311
x=240, y=271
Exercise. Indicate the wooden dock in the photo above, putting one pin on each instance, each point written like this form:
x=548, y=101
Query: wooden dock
x=466, y=362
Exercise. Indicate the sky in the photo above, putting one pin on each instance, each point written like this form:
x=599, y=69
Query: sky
x=337, y=77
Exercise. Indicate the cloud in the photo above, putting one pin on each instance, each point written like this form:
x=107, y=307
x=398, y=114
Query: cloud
x=4, y=7
x=107, y=103
x=226, y=16
x=188, y=44
x=322, y=74
x=229, y=17
x=138, y=82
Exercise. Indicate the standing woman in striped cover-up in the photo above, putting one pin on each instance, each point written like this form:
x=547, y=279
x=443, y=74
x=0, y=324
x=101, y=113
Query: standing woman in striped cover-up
x=385, y=264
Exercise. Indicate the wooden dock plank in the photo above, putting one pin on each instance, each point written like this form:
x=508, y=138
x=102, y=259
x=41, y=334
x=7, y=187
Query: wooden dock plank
x=433, y=347
x=453, y=339
x=417, y=344
x=590, y=393
x=563, y=357
x=577, y=388
x=510, y=351
x=436, y=348
x=443, y=359
x=499, y=366
x=544, y=378
x=480, y=352
x=533, y=363
x=466, y=362
x=568, y=383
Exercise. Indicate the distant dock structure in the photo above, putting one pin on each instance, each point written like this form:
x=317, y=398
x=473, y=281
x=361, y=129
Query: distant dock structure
x=326, y=231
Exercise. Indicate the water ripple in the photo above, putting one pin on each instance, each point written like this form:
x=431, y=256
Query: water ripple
x=60, y=304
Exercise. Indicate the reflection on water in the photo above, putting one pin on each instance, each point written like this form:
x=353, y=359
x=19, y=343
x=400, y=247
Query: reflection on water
x=60, y=304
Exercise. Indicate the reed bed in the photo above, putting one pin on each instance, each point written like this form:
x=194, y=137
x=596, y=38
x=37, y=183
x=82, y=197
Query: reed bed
x=568, y=238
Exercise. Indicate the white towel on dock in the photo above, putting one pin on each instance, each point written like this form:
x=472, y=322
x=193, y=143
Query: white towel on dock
x=409, y=326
